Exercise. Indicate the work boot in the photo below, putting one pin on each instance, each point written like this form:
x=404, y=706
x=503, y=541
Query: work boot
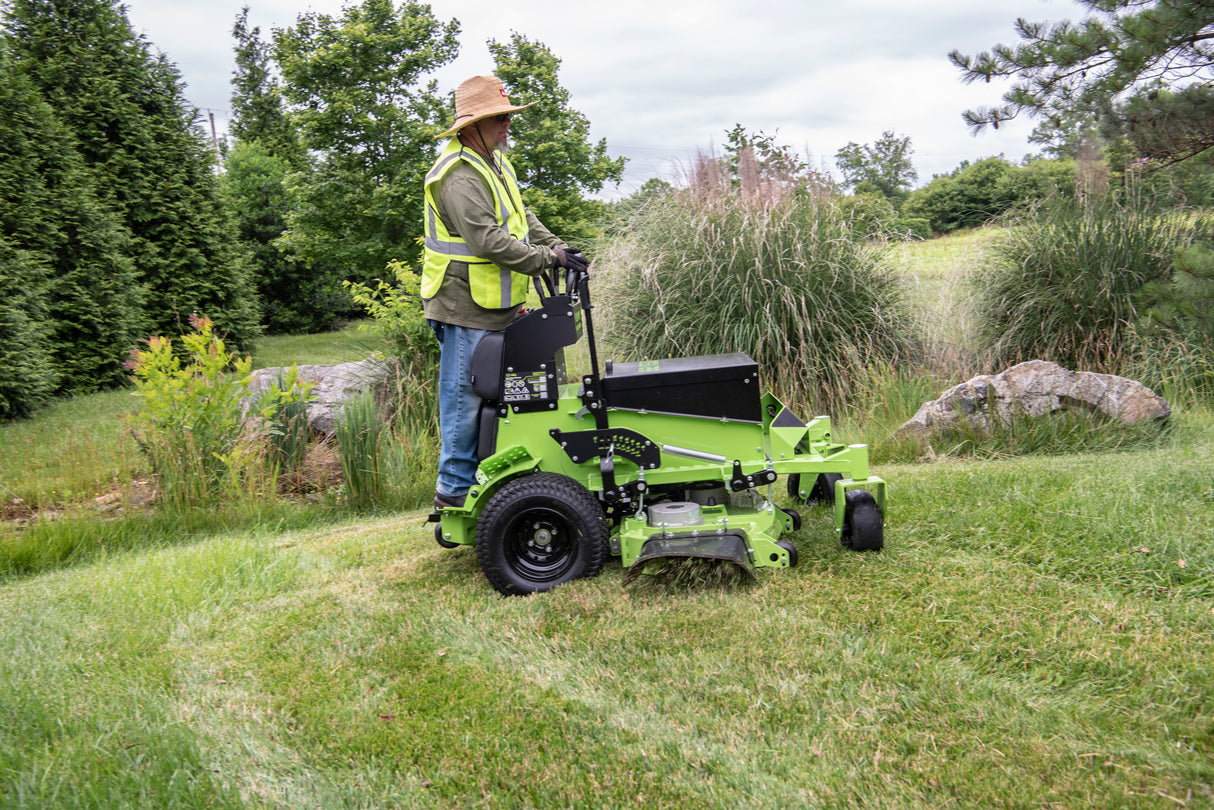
x=442, y=501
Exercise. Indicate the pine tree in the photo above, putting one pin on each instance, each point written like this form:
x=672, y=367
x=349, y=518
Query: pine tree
x=1141, y=66
x=69, y=285
x=150, y=164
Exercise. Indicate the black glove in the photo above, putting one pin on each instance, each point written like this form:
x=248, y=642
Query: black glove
x=572, y=259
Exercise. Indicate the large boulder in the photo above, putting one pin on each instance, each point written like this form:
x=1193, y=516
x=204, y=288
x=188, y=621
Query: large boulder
x=1036, y=388
x=331, y=387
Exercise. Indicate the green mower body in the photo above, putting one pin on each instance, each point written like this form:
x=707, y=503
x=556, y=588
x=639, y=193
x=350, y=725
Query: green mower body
x=649, y=461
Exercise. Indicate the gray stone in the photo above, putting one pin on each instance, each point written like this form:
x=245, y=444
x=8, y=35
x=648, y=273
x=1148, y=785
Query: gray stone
x=332, y=386
x=1036, y=388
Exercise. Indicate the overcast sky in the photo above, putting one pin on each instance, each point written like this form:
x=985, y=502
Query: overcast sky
x=661, y=80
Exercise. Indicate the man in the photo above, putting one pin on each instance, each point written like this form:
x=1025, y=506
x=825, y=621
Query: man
x=482, y=247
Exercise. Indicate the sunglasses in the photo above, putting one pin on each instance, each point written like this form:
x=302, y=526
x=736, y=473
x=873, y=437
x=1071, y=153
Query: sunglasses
x=504, y=118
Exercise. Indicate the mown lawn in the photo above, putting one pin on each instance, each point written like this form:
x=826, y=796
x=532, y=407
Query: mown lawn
x=1037, y=632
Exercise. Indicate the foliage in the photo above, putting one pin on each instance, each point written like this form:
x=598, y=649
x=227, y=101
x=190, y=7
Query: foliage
x=352, y=85
x=258, y=115
x=70, y=298
x=1063, y=283
x=1185, y=302
x=1153, y=51
x=191, y=424
x=975, y=193
x=27, y=374
x=398, y=311
x=915, y=227
x=360, y=428
x=870, y=214
x=750, y=156
x=148, y=240
x=283, y=409
x=296, y=296
x=551, y=149
x=885, y=166
x=788, y=281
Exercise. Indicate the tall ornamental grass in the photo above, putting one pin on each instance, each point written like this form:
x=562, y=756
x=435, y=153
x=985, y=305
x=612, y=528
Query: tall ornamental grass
x=1062, y=285
x=782, y=276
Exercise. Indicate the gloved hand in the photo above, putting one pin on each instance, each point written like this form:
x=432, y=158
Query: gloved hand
x=571, y=259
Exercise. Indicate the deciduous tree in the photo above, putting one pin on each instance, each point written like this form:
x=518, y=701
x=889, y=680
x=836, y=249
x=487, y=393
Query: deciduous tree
x=354, y=87
x=884, y=165
x=558, y=165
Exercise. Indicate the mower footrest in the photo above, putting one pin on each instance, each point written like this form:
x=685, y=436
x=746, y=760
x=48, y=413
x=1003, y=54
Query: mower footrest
x=732, y=548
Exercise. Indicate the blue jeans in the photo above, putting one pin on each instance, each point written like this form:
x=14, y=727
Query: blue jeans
x=458, y=407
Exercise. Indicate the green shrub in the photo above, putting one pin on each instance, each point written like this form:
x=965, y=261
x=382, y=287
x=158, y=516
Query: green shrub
x=284, y=413
x=191, y=425
x=398, y=310
x=786, y=279
x=1061, y=286
x=917, y=227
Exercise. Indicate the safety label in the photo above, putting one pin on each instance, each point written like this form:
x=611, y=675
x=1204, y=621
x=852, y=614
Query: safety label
x=526, y=387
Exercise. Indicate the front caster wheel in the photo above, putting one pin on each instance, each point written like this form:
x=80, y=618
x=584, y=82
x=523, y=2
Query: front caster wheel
x=863, y=524
x=540, y=531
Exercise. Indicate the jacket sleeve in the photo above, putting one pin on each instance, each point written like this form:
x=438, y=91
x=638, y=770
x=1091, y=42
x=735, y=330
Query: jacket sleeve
x=467, y=209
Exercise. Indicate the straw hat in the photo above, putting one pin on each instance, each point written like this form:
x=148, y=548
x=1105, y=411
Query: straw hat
x=479, y=98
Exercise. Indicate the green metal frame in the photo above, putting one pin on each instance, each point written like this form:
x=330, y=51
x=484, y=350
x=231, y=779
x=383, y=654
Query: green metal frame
x=692, y=449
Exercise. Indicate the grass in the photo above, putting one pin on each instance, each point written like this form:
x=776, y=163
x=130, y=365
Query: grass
x=78, y=450
x=1037, y=632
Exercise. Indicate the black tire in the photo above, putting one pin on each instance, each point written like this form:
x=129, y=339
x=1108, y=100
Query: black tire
x=795, y=515
x=792, y=552
x=821, y=494
x=863, y=524
x=540, y=531
x=438, y=537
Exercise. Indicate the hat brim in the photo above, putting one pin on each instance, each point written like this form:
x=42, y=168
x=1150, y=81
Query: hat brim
x=461, y=123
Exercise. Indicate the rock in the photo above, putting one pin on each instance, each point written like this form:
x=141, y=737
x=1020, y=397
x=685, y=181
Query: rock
x=332, y=385
x=1036, y=388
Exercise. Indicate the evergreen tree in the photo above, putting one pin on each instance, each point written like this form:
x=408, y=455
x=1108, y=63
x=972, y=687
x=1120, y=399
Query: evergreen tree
x=150, y=164
x=68, y=285
x=257, y=108
x=296, y=296
x=551, y=149
x=1140, y=66
x=353, y=87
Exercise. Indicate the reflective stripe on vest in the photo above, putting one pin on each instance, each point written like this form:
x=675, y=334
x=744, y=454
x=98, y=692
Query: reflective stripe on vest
x=492, y=287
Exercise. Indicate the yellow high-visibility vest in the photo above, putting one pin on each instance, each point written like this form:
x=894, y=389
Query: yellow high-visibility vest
x=492, y=287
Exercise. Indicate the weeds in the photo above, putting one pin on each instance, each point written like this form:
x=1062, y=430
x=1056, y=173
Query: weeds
x=191, y=425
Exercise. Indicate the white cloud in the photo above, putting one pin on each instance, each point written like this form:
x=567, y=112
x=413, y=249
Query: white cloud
x=660, y=80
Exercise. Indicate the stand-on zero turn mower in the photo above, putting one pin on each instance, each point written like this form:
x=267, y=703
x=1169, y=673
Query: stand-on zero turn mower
x=649, y=460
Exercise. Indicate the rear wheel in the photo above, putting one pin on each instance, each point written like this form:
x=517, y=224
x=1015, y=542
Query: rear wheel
x=540, y=531
x=863, y=524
